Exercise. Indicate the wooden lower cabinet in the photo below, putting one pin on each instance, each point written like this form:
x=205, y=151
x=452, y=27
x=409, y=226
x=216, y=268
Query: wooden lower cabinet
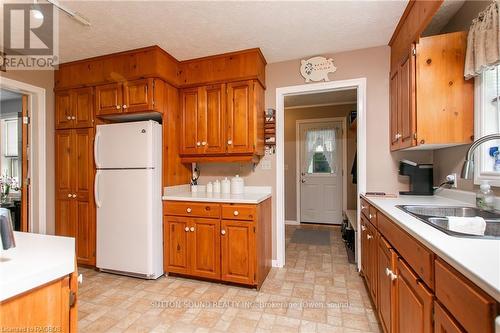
x=416, y=291
x=47, y=308
x=237, y=251
x=413, y=301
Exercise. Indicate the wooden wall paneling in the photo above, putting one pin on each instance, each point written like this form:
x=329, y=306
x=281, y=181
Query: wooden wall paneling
x=444, y=96
x=174, y=171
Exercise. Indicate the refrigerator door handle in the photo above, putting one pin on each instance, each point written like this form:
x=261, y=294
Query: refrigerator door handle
x=96, y=190
x=96, y=150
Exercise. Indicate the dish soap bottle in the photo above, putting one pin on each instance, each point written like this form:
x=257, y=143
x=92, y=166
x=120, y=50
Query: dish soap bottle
x=485, y=197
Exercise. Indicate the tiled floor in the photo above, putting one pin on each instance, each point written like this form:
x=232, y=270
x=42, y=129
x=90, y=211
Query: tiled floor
x=317, y=291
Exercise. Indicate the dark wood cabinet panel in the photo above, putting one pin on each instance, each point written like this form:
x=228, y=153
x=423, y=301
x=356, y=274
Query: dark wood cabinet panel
x=238, y=252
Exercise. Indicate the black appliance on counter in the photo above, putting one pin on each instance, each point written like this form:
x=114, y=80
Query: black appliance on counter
x=421, y=177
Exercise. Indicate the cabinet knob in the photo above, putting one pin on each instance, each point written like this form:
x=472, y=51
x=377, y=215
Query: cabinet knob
x=68, y=117
x=203, y=143
x=189, y=210
x=191, y=229
x=223, y=232
x=363, y=207
x=74, y=196
x=73, y=117
x=236, y=213
x=370, y=216
x=118, y=107
x=198, y=143
x=368, y=236
x=69, y=195
x=124, y=106
x=387, y=271
x=186, y=229
x=363, y=228
x=229, y=142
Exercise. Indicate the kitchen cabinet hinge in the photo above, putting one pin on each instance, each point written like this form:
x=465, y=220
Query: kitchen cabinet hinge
x=72, y=298
x=414, y=51
x=415, y=135
x=26, y=120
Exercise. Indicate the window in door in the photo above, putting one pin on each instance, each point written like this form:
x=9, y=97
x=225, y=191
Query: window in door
x=320, y=149
x=487, y=113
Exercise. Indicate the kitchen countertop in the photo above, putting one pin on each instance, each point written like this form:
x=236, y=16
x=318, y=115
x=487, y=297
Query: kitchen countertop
x=477, y=259
x=252, y=195
x=36, y=260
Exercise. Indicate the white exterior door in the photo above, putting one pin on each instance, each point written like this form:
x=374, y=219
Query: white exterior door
x=320, y=167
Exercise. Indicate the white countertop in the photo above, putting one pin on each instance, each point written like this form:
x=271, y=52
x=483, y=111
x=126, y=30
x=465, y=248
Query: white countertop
x=252, y=195
x=36, y=260
x=477, y=259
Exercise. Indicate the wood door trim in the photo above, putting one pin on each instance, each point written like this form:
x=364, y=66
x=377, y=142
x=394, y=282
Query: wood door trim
x=25, y=192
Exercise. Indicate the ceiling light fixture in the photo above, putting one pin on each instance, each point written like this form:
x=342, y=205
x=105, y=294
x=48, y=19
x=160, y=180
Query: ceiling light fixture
x=37, y=14
x=74, y=15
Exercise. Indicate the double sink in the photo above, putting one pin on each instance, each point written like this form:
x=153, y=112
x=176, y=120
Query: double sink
x=436, y=216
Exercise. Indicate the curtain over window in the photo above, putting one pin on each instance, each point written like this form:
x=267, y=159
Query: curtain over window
x=483, y=42
x=320, y=147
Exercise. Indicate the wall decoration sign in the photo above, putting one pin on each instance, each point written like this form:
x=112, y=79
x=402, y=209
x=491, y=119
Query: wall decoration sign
x=317, y=68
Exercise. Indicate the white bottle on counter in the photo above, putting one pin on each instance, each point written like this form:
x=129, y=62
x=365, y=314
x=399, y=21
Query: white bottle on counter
x=237, y=185
x=216, y=186
x=210, y=187
x=225, y=186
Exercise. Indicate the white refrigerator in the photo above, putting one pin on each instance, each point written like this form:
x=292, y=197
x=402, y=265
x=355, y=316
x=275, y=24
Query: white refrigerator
x=127, y=192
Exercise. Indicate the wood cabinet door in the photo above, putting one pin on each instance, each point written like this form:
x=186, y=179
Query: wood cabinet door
x=65, y=223
x=83, y=107
x=138, y=95
x=372, y=237
x=444, y=322
x=364, y=249
x=190, y=143
x=385, y=292
x=84, y=195
x=108, y=99
x=238, y=251
x=394, y=110
x=204, y=247
x=413, y=302
x=406, y=93
x=63, y=110
x=211, y=127
x=240, y=117
x=176, y=249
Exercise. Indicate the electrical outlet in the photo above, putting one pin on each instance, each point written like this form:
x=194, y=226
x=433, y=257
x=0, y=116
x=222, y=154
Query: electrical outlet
x=452, y=178
x=265, y=164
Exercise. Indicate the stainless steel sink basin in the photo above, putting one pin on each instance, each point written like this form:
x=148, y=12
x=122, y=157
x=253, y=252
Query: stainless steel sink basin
x=436, y=216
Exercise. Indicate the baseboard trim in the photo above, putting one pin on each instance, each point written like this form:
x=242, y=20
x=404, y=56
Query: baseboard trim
x=291, y=222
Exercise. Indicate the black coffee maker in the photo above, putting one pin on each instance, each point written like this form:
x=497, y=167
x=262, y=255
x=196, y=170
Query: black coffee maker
x=421, y=177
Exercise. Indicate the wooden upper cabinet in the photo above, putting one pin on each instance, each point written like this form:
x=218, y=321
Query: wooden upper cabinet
x=413, y=302
x=238, y=252
x=108, y=99
x=406, y=97
x=394, y=110
x=190, y=104
x=64, y=112
x=214, y=128
x=240, y=116
x=138, y=95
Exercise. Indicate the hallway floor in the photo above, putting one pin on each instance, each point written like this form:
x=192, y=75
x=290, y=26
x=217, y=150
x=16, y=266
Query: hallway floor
x=317, y=291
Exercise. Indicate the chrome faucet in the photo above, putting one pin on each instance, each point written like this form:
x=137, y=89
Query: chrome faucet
x=468, y=167
x=6, y=230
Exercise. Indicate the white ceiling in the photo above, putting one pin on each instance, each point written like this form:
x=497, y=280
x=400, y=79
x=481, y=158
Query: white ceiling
x=326, y=98
x=187, y=29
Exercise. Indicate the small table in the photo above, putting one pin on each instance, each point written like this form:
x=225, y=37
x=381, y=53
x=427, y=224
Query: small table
x=351, y=215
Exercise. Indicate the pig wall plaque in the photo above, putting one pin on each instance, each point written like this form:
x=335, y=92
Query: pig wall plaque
x=317, y=69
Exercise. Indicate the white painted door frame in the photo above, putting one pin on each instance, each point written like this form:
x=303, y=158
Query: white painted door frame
x=298, y=142
x=360, y=85
x=37, y=154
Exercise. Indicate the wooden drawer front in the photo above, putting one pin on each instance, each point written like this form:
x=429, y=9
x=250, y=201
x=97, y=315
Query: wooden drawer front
x=443, y=322
x=471, y=307
x=239, y=212
x=372, y=215
x=198, y=209
x=416, y=255
x=365, y=208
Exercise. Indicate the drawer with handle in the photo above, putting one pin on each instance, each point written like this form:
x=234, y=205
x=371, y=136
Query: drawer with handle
x=239, y=212
x=197, y=209
x=365, y=208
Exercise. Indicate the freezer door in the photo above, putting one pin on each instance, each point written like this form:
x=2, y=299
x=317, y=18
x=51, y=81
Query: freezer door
x=127, y=145
x=129, y=226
